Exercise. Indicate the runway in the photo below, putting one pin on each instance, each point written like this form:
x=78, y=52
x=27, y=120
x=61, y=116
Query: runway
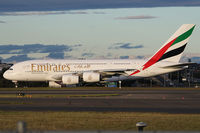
x=103, y=91
x=169, y=101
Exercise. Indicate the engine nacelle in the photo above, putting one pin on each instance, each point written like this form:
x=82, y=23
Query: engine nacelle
x=54, y=84
x=91, y=77
x=70, y=79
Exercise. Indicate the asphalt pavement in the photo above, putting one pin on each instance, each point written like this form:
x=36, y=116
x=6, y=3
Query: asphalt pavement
x=168, y=101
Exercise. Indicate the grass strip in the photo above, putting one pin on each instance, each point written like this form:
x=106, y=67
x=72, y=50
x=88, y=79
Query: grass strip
x=99, y=121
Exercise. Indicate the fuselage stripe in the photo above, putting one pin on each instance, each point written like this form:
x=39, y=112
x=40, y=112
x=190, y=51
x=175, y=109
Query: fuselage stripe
x=173, y=52
x=158, y=55
x=183, y=36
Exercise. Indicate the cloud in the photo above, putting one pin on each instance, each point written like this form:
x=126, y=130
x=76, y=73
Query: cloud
x=36, y=48
x=40, y=13
x=99, y=12
x=78, y=12
x=140, y=57
x=61, y=5
x=124, y=57
x=77, y=45
x=20, y=52
x=125, y=46
x=88, y=54
x=56, y=55
x=2, y=21
x=17, y=58
x=137, y=17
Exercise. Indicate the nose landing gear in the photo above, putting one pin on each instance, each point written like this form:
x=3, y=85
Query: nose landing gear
x=16, y=84
x=20, y=92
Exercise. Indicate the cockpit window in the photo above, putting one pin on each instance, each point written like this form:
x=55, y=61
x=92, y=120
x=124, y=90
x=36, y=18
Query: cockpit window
x=11, y=69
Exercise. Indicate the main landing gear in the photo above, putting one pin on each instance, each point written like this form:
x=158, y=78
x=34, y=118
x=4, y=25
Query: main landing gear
x=120, y=84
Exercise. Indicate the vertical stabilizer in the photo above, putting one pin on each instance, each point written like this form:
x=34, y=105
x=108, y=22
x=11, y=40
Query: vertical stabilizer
x=173, y=49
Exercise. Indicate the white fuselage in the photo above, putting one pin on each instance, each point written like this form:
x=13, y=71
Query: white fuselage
x=53, y=70
x=165, y=60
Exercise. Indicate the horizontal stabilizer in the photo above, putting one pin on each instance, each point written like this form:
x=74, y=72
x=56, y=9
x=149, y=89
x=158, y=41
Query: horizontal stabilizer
x=180, y=65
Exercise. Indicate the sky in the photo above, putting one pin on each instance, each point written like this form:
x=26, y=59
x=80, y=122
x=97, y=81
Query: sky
x=106, y=28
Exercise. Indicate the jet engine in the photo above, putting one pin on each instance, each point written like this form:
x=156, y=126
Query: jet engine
x=54, y=84
x=91, y=77
x=70, y=79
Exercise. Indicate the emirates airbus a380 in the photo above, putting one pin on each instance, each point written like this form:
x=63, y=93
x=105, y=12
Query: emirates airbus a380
x=68, y=72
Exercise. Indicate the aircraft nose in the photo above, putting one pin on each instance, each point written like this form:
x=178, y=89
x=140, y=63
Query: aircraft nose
x=6, y=75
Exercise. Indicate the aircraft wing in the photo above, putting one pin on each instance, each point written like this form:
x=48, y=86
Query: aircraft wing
x=114, y=72
x=180, y=65
x=105, y=73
